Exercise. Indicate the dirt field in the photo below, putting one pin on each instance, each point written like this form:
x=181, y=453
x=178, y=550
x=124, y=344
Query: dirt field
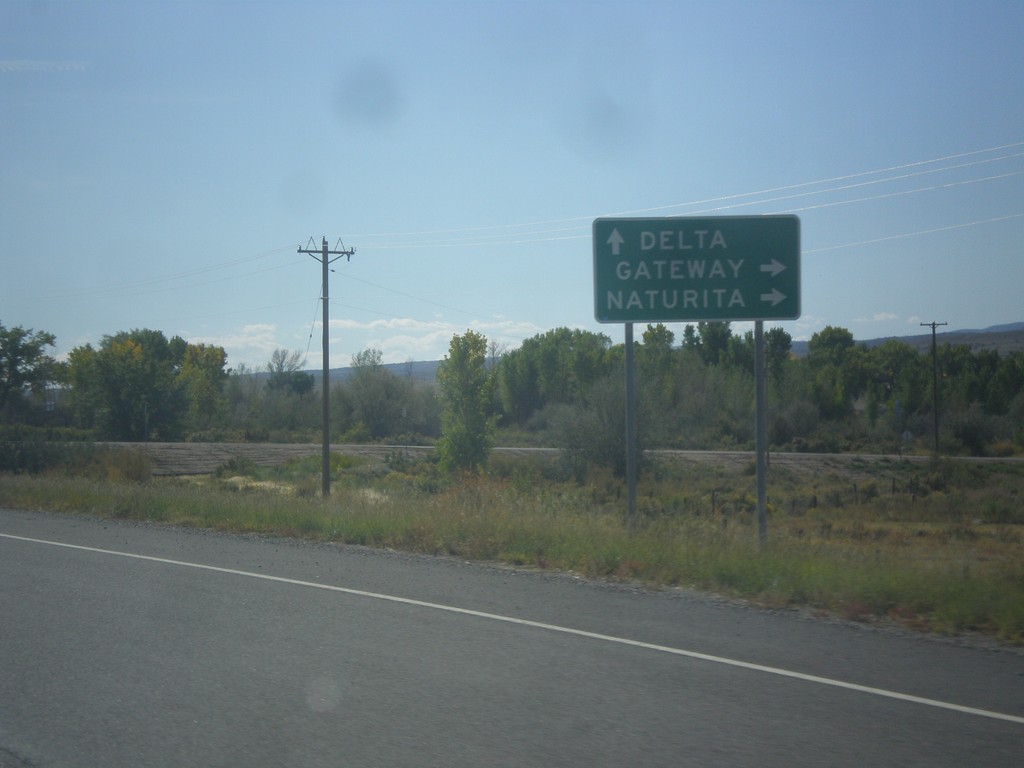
x=204, y=458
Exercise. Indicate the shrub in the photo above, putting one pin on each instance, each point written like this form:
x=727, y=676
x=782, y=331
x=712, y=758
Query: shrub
x=97, y=462
x=1003, y=449
x=974, y=429
x=236, y=465
x=30, y=456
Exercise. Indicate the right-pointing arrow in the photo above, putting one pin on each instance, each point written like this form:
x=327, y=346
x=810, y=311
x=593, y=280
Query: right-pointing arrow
x=774, y=297
x=774, y=267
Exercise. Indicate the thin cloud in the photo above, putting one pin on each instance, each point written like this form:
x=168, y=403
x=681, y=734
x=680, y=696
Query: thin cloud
x=403, y=338
x=878, y=317
x=252, y=344
x=11, y=66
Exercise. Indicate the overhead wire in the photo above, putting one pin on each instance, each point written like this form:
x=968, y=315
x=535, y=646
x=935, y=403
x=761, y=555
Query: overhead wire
x=490, y=239
x=411, y=296
x=217, y=280
x=846, y=177
x=932, y=231
x=502, y=235
x=847, y=201
x=578, y=228
x=312, y=324
x=134, y=285
x=549, y=230
x=543, y=237
x=706, y=201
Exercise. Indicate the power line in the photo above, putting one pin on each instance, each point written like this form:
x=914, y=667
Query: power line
x=947, y=185
x=724, y=198
x=915, y=234
x=134, y=286
x=312, y=323
x=416, y=298
x=584, y=233
x=846, y=177
x=504, y=235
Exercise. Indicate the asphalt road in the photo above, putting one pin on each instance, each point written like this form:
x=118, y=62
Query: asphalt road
x=134, y=645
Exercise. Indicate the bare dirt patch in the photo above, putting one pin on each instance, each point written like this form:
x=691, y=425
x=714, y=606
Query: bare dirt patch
x=169, y=459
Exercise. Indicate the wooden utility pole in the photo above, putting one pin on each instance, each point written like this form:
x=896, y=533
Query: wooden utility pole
x=323, y=255
x=935, y=383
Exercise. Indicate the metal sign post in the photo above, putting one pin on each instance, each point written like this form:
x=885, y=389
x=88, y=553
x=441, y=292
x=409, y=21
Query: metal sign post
x=761, y=431
x=630, y=430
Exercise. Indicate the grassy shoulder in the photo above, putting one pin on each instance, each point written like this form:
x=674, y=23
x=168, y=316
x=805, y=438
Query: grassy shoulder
x=934, y=546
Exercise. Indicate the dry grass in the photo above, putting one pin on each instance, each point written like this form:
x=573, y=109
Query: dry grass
x=938, y=547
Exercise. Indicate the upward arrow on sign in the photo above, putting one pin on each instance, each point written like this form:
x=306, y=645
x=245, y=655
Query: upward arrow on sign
x=615, y=240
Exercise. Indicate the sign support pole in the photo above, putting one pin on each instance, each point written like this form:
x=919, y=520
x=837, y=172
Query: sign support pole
x=761, y=430
x=630, y=429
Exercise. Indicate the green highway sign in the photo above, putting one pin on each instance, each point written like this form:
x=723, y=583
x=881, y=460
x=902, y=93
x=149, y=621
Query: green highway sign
x=675, y=269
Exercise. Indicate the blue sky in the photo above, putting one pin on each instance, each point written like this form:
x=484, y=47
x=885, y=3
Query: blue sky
x=161, y=163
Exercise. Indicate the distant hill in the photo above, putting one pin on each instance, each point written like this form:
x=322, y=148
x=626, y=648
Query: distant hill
x=417, y=371
x=1002, y=338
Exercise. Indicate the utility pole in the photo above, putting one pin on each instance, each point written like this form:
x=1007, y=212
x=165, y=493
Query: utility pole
x=935, y=382
x=323, y=255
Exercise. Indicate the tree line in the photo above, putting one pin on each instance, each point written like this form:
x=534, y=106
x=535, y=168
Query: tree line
x=562, y=388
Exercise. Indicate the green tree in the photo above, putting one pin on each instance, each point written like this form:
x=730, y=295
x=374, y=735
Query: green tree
x=203, y=377
x=518, y=385
x=777, y=345
x=242, y=393
x=713, y=341
x=558, y=366
x=830, y=346
x=378, y=399
x=569, y=362
x=466, y=386
x=286, y=376
x=690, y=339
x=24, y=365
x=656, y=370
x=830, y=356
x=84, y=395
x=593, y=432
x=286, y=403
x=129, y=387
x=898, y=383
x=740, y=352
x=1006, y=383
x=656, y=353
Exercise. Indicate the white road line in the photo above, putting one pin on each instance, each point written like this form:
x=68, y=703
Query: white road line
x=550, y=627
